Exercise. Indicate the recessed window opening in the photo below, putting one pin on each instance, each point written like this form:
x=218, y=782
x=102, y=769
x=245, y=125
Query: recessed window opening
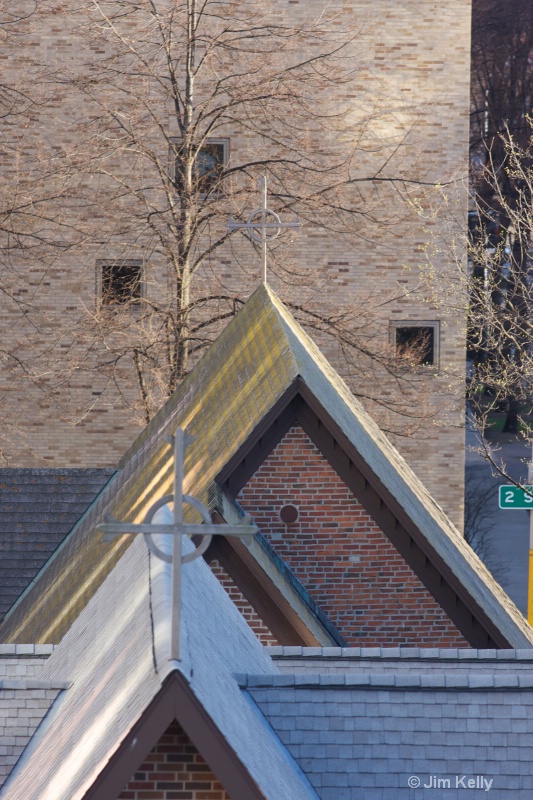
x=417, y=341
x=121, y=282
x=208, y=167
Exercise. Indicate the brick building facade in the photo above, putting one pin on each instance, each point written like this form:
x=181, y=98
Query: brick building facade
x=130, y=717
x=174, y=770
x=350, y=568
x=414, y=65
x=338, y=553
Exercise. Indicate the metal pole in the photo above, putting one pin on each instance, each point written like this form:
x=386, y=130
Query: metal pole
x=530, y=571
x=175, y=608
x=263, y=182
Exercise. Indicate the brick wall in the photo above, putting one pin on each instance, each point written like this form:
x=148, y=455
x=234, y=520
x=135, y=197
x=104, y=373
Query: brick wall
x=414, y=59
x=174, y=770
x=255, y=622
x=343, y=559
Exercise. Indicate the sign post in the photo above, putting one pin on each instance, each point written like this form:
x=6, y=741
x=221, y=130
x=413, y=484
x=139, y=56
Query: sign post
x=521, y=497
x=530, y=573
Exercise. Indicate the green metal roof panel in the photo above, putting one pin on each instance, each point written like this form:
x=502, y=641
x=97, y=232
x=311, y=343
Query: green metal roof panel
x=221, y=401
x=248, y=369
x=393, y=472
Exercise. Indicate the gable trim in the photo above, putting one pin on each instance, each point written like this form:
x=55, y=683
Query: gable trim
x=290, y=614
x=175, y=701
x=300, y=406
x=263, y=439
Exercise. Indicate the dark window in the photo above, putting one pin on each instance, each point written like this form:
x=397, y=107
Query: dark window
x=416, y=342
x=121, y=283
x=208, y=167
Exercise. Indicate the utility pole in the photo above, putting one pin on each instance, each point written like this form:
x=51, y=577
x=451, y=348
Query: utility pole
x=530, y=571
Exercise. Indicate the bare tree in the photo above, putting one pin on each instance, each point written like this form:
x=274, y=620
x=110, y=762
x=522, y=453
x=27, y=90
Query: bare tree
x=501, y=302
x=168, y=127
x=502, y=75
x=495, y=293
x=500, y=309
x=480, y=513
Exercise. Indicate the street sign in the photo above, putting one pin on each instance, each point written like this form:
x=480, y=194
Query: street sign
x=515, y=497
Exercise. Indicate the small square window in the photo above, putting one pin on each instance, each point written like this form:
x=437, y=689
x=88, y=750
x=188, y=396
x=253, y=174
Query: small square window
x=210, y=163
x=417, y=340
x=121, y=282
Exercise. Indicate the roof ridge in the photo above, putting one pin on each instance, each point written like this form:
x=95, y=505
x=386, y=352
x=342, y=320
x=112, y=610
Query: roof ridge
x=400, y=681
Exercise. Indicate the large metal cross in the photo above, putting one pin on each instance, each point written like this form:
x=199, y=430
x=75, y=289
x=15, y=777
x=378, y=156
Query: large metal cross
x=111, y=528
x=258, y=227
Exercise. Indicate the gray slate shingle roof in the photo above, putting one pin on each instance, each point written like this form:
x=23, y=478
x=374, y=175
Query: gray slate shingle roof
x=38, y=508
x=376, y=741
x=115, y=660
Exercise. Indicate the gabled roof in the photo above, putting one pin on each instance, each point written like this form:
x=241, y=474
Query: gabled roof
x=261, y=375
x=377, y=723
x=124, y=691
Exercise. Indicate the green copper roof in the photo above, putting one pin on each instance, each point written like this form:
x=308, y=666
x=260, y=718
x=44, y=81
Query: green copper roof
x=252, y=364
x=221, y=401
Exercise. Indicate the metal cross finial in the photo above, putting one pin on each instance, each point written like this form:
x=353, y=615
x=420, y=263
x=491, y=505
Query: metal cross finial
x=177, y=529
x=259, y=229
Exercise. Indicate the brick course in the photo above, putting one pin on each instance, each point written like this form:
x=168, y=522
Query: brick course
x=414, y=61
x=255, y=622
x=174, y=770
x=340, y=555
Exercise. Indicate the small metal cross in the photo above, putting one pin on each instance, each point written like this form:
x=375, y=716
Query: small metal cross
x=257, y=226
x=177, y=529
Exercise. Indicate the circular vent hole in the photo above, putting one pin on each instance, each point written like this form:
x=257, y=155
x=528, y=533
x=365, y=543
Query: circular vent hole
x=288, y=514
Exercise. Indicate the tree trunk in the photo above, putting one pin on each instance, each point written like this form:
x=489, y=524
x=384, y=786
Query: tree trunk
x=511, y=420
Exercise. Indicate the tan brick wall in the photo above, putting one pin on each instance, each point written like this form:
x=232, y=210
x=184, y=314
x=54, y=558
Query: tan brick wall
x=349, y=567
x=414, y=59
x=174, y=770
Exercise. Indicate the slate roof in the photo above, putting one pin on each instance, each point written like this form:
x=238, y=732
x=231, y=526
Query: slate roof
x=261, y=354
x=346, y=723
x=343, y=660
x=116, y=658
x=38, y=508
x=386, y=737
x=364, y=721
x=23, y=705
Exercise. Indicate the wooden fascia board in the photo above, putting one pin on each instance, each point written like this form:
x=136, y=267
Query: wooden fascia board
x=436, y=575
x=282, y=618
x=300, y=406
x=175, y=701
x=265, y=436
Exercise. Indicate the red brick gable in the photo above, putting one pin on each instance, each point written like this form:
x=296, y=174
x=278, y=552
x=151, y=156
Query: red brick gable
x=174, y=770
x=253, y=619
x=336, y=550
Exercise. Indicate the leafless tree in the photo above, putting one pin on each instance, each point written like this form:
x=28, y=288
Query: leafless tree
x=501, y=301
x=495, y=293
x=171, y=112
x=500, y=244
x=480, y=513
